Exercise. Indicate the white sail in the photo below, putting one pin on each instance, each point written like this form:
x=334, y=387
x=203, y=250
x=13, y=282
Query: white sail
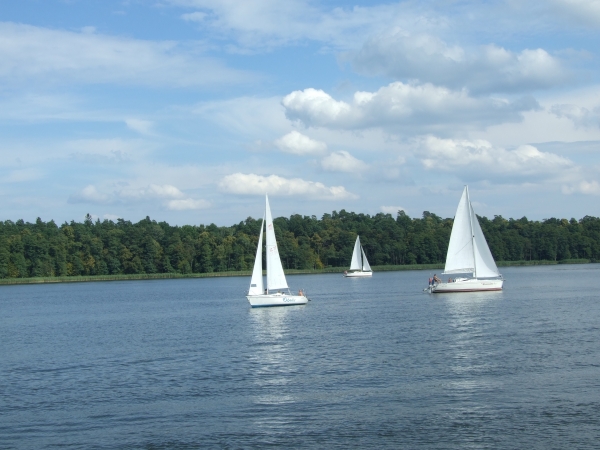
x=459, y=258
x=365, y=265
x=355, y=263
x=485, y=266
x=468, y=250
x=256, y=283
x=275, y=275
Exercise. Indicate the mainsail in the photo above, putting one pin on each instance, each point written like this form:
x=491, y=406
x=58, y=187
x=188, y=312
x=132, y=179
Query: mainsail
x=468, y=250
x=275, y=275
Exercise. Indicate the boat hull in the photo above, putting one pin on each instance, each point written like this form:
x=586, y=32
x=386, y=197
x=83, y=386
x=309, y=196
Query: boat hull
x=470, y=285
x=357, y=274
x=265, y=300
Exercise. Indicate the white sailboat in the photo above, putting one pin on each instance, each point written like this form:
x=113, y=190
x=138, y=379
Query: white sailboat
x=468, y=252
x=274, y=294
x=359, y=266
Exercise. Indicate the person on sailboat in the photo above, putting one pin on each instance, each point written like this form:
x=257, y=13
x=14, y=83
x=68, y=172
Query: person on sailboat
x=430, y=281
x=436, y=279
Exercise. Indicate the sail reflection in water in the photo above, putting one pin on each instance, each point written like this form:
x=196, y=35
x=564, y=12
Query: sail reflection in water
x=472, y=358
x=272, y=361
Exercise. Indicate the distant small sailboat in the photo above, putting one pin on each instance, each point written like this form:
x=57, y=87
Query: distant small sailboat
x=359, y=267
x=275, y=277
x=468, y=252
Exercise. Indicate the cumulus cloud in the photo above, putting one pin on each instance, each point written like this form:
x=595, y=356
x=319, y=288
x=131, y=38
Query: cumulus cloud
x=169, y=196
x=187, y=204
x=581, y=117
x=480, y=159
x=150, y=191
x=427, y=58
x=583, y=12
x=342, y=161
x=583, y=187
x=413, y=107
x=89, y=194
x=252, y=184
x=298, y=144
x=65, y=56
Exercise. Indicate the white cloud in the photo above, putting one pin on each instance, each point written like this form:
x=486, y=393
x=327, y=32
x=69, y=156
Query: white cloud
x=343, y=161
x=427, y=58
x=22, y=175
x=168, y=196
x=414, y=108
x=127, y=194
x=250, y=116
x=480, y=159
x=64, y=56
x=272, y=23
x=586, y=12
x=89, y=194
x=187, y=204
x=583, y=187
x=151, y=191
x=252, y=184
x=105, y=151
x=194, y=17
x=393, y=210
x=298, y=144
x=580, y=116
x=139, y=125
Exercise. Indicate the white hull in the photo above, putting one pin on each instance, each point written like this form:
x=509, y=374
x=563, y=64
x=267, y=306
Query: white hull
x=469, y=285
x=357, y=274
x=258, y=301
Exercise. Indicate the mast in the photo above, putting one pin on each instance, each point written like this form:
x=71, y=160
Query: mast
x=275, y=275
x=472, y=235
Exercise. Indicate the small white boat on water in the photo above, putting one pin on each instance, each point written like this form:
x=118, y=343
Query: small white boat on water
x=277, y=292
x=359, y=266
x=468, y=252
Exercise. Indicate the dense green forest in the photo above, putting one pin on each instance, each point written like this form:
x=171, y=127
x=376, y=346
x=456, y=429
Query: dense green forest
x=43, y=249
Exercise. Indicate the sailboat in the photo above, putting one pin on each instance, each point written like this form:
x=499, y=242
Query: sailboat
x=468, y=252
x=274, y=294
x=359, y=266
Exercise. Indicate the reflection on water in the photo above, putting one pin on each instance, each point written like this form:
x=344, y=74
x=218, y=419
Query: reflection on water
x=271, y=361
x=368, y=363
x=470, y=358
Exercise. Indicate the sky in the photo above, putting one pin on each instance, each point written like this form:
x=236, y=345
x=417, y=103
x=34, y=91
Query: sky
x=189, y=111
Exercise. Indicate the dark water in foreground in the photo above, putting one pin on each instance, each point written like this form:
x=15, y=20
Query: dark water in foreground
x=372, y=363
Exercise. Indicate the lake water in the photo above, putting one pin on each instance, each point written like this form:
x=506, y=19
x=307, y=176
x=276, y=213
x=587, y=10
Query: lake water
x=368, y=363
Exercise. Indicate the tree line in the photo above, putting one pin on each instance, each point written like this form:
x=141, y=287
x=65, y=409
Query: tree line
x=44, y=249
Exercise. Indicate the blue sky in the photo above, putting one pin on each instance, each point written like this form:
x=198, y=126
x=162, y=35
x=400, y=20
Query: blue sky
x=188, y=111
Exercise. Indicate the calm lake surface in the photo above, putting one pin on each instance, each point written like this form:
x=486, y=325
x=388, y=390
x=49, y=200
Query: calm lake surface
x=368, y=363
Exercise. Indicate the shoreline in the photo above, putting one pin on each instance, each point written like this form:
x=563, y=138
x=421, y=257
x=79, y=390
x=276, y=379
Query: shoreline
x=247, y=273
